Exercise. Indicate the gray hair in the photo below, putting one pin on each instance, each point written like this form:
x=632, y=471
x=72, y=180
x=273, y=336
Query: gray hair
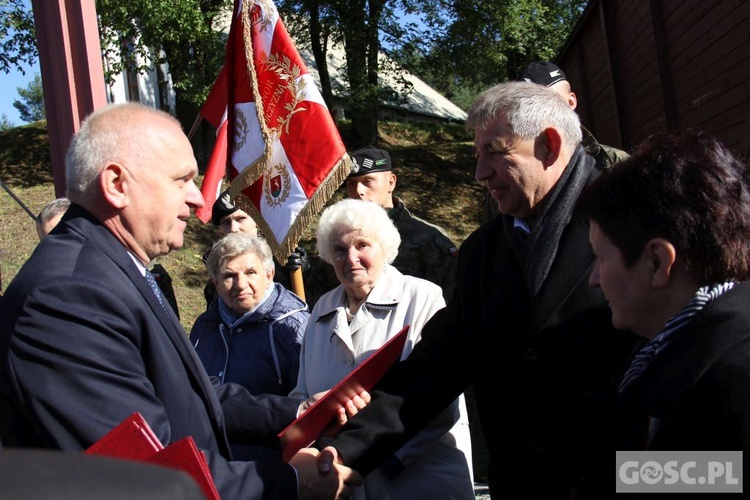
x=352, y=215
x=529, y=109
x=235, y=244
x=50, y=210
x=108, y=134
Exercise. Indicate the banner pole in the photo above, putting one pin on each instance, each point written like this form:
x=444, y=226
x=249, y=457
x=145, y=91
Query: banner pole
x=194, y=128
x=18, y=200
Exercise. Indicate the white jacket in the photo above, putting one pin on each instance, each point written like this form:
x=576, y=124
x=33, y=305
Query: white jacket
x=437, y=461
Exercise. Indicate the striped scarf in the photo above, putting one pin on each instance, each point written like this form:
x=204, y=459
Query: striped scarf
x=643, y=357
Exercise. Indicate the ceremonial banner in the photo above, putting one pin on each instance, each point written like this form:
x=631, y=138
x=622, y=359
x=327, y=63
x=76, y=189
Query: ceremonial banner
x=286, y=155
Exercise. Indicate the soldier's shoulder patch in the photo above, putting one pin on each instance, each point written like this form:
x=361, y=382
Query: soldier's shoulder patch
x=453, y=251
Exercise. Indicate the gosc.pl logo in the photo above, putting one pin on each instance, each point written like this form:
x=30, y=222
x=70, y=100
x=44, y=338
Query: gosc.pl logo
x=679, y=471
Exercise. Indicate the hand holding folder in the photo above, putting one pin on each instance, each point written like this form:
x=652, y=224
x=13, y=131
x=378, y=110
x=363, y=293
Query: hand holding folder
x=308, y=427
x=133, y=439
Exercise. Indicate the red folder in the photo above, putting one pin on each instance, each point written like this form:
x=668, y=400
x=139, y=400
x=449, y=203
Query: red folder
x=307, y=427
x=133, y=439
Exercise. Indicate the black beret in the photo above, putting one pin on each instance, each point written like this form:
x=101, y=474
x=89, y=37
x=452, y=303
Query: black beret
x=370, y=159
x=223, y=206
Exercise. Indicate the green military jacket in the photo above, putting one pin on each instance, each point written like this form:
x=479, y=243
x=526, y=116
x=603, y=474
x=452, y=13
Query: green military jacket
x=426, y=251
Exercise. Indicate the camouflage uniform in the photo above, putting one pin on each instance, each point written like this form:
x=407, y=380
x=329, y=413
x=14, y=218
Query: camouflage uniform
x=425, y=251
x=605, y=156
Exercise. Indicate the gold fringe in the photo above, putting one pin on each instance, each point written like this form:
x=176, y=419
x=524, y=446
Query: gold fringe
x=250, y=175
x=253, y=172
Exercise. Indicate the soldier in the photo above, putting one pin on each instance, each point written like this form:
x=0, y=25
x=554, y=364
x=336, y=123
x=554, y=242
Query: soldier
x=426, y=251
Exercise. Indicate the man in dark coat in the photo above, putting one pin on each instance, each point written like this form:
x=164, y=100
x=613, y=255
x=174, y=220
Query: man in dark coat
x=86, y=338
x=522, y=327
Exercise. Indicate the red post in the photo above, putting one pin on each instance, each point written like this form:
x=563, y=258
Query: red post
x=70, y=59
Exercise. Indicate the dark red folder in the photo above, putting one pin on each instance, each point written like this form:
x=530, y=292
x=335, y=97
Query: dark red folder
x=307, y=427
x=133, y=439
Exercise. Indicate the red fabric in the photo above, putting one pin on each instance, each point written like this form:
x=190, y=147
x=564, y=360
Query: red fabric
x=215, y=171
x=298, y=146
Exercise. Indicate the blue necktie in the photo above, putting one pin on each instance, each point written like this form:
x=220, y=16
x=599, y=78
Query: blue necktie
x=154, y=287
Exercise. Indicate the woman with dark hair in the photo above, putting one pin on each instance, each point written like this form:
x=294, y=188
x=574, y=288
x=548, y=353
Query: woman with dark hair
x=669, y=228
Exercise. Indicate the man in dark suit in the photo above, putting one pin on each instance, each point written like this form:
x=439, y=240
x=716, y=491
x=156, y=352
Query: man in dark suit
x=669, y=228
x=86, y=339
x=522, y=327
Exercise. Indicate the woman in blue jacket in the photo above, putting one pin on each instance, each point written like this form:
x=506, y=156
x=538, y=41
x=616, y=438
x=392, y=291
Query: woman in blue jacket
x=251, y=334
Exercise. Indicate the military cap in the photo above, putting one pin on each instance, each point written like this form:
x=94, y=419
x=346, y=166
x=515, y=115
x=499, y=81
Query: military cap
x=223, y=206
x=370, y=159
x=543, y=73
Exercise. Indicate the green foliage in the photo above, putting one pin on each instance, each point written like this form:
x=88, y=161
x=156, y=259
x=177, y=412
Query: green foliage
x=31, y=104
x=477, y=43
x=17, y=36
x=138, y=33
x=459, y=47
x=5, y=123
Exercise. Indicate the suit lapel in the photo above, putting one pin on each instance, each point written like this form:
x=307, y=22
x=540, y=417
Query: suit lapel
x=98, y=235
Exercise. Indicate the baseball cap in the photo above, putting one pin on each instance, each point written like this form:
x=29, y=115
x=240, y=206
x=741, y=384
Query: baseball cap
x=223, y=206
x=543, y=73
x=370, y=159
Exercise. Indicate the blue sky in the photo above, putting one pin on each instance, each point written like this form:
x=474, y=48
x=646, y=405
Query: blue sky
x=9, y=84
x=8, y=90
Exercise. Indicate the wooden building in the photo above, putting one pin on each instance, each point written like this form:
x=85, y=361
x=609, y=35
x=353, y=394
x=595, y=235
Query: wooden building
x=644, y=66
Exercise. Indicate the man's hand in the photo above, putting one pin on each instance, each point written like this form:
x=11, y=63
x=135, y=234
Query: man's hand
x=347, y=409
x=350, y=408
x=328, y=459
x=296, y=260
x=337, y=482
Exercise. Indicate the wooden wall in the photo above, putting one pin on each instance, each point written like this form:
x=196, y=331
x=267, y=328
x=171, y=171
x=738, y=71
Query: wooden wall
x=643, y=66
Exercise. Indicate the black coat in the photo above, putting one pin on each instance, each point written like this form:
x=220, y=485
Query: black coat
x=544, y=374
x=695, y=394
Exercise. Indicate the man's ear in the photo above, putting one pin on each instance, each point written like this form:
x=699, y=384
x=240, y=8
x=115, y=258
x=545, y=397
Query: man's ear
x=114, y=181
x=572, y=100
x=392, y=181
x=552, y=145
x=661, y=256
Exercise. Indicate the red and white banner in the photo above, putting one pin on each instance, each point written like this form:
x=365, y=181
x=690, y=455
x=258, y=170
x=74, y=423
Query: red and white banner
x=214, y=111
x=286, y=155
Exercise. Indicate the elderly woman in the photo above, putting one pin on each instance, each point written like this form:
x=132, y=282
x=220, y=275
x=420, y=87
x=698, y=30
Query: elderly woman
x=374, y=302
x=251, y=334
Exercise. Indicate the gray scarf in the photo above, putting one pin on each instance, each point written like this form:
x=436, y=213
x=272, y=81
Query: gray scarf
x=537, y=251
